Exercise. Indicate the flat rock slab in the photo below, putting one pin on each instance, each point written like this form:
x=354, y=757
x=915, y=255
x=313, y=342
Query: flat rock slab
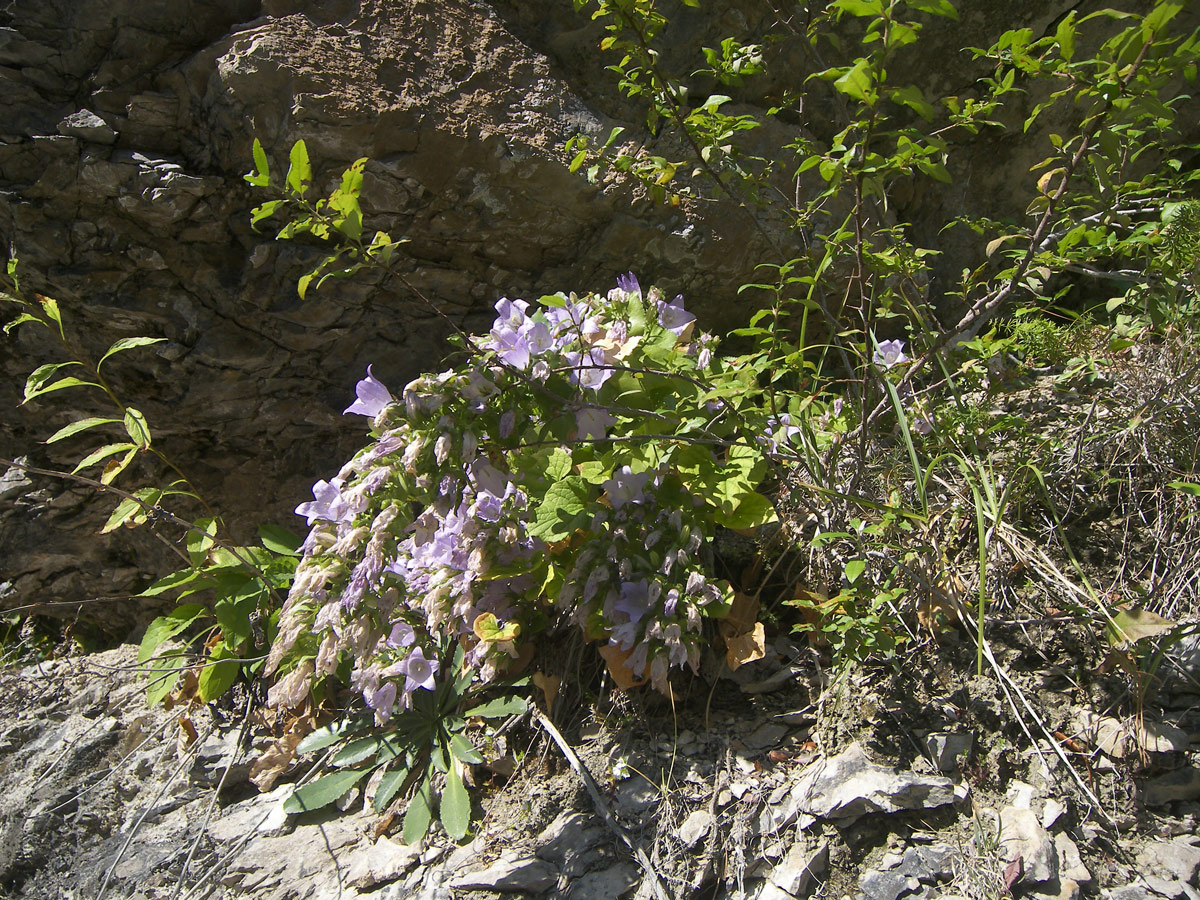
x=848, y=786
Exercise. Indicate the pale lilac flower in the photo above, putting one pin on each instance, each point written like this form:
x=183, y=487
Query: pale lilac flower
x=418, y=671
x=634, y=600
x=402, y=635
x=625, y=487
x=629, y=283
x=890, y=353
x=592, y=422
x=373, y=397
x=923, y=425
x=508, y=420
x=673, y=317
x=328, y=504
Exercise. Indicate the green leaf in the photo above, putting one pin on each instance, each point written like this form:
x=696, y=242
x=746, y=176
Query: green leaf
x=487, y=629
x=323, y=791
x=279, y=540
x=127, y=344
x=455, y=808
x=858, y=82
x=21, y=320
x=261, y=176
x=76, y=427
x=328, y=736
x=117, y=466
x=234, y=610
x=942, y=8
x=103, y=453
x=854, y=569
x=499, y=708
x=137, y=428
x=219, y=674
x=420, y=813
x=562, y=510
x=559, y=464
x=126, y=510
x=391, y=782
x=859, y=8
x=50, y=308
x=355, y=751
x=162, y=681
x=200, y=540
x=464, y=750
x=1065, y=36
x=174, y=580
x=753, y=511
x=1133, y=625
x=299, y=175
x=36, y=382
x=1188, y=487
x=166, y=627
x=912, y=97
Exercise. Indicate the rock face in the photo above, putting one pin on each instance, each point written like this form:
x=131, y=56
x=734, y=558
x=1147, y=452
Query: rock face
x=127, y=125
x=121, y=153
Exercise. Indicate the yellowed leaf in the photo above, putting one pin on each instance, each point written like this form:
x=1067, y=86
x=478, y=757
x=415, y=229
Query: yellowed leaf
x=549, y=685
x=617, y=665
x=746, y=648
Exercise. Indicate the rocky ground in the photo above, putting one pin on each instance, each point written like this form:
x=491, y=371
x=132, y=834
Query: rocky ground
x=918, y=780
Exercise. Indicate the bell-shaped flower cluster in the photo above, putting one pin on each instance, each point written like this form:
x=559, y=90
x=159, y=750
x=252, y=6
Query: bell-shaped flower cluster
x=436, y=535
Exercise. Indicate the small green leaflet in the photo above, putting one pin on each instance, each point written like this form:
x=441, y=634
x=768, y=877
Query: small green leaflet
x=166, y=627
x=299, y=175
x=103, y=453
x=455, y=806
x=322, y=791
x=420, y=813
x=76, y=427
x=388, y=786
x=127, y=344
x=327, y=736
x=136, y=427
x=261, y=177
x=499, y=708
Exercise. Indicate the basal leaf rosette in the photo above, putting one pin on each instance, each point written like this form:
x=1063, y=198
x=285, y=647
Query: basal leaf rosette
x=571, y=466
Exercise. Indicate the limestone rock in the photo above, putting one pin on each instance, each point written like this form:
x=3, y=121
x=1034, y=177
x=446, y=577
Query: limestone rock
x=847, y=786
x=87, y=125
x=801, y=871
x=1023, y=837
x=1178, y=858
x=695, y=827
x=510, y=873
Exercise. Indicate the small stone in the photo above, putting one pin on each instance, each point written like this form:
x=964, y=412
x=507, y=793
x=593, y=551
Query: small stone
x=1052, y=811
x=87, y=126
x=1166, y=887
x=695, y=827
x=635, y=794
x=1020, y=795
x=1022, y=837
x=765, y=736
x=1128, y=892
x=1070, y=863
x=1178, y=858
x=848, y=786
x=802, y=869
x=949, y=750
x=383, y=862
x=1182, y=784
x=890, y=885
x=607, y=884
x=518, y=873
